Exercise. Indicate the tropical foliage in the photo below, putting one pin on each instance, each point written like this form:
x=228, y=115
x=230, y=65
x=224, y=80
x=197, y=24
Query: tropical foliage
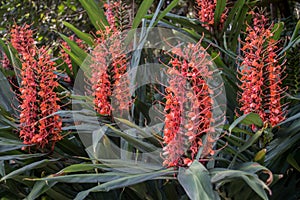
x=212, y=113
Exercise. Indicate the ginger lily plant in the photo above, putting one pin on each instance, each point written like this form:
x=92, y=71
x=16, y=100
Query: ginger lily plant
x=249, y=151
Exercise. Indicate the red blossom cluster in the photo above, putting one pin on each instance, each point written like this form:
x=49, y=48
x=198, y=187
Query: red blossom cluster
x=109, y=64
x=206, y=13
x=38, y=99
x=188, y=106
x=116, y=13
x=260, y=73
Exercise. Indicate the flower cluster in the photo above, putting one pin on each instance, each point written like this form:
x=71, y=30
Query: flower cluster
x=260, y=73
x=116, y=13
x=38, y=124
x=188, y=106
x=206, y=13
x=109, y=64
x=21, y=39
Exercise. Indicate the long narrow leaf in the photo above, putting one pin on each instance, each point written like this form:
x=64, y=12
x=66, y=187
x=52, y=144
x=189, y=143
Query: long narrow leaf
x=219, y=10
x=123, y=182
x=142, y=11
x=31, y=166
x=95, y=13
x=87, y=38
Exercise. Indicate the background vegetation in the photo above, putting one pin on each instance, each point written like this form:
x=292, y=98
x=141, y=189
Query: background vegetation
x=252, y=159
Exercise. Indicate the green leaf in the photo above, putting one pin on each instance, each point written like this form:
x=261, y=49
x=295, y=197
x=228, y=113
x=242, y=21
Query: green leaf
x=26, y=168
x=138, y=143
x=5, y=49
x=237, y=130
x=87, y=38
x=219, y=10
x=196, y=182
x=296, y=32
x=81, y=167
x=140, y=131
x=8, y=145
x=8, y=99
x=84, y=178
x=234, y=13
x=224, y=176
x=39, y=188
x=187, y=22
x=291, y=160
x=95, y=13
x=277, y=29
x=74, y=47
x=292, y=118
x=15, y=62
x=20, y=156
x=251, y=140
x=123, y=182
x=75, y=58
x=247, y=119
x=142, y=11
x=236, y=28
x=132, y=166
x=2, y=168
x=291, y=44
x=279, y=148
x=165, y=11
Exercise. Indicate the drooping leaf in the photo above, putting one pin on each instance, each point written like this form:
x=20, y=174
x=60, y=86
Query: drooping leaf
x=196, y=182
x=123, y=182
x=247, y=119
x=20, y=156
x=222, y=176
x=39, y=188
x=29, y=167
x=84, y=178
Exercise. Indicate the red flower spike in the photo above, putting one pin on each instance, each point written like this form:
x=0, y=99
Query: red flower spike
x=108, y=67
x=21, y=38
x=206, y=13
x=190, y=68
x=38, y=99
x=260, y=73
x=116, y=13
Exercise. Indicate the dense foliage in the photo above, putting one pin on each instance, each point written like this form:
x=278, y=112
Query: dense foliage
x=150, y=100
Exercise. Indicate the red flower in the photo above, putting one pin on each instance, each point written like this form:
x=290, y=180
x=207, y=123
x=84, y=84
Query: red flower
x=21, y=38
x=188, y=106
x=206, y=13
x=109, y=65
x=116, y=13
x=260, y=73
x=38, y=125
